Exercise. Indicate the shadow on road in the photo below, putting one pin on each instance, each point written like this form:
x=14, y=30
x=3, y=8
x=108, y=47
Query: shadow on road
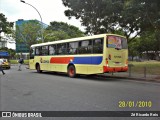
x=82, y=77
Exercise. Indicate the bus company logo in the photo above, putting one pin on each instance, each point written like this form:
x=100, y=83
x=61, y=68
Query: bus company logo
x=6, y=114
x=44, y=61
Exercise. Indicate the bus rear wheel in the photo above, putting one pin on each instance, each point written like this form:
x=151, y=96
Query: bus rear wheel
x=71, y=71
x=38, y=68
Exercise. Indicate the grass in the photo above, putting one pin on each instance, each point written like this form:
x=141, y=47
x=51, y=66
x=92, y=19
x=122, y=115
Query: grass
x=15, y=61
x=152, y=67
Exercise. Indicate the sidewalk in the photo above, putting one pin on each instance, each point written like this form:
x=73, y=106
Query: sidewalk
x=134, y=76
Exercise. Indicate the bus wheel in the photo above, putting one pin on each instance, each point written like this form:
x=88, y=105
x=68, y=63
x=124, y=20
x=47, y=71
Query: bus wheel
x=38, y=68
x=71, y=71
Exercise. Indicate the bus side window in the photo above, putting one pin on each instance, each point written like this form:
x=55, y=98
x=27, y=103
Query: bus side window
x=52, y=50
x=38, y=51
x=61, y=48
x=75, y=50
x=98, y=45
x=72, y=48
x=44, y=50
x=84, y=47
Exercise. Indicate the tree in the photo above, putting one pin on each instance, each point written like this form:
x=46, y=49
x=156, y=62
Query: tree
x=5, y=26
x=150, y=26
x=60, y=31
x=50, y=35
x=28, y=33
x=102, y=16
x=99, y=16
x=148, y=43
x=133, y=48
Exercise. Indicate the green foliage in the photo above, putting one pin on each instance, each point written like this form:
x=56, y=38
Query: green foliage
x=103, y=16
x=5, y=25
x=15, y=61
x=60, y=31
x=99, y=16
x=50, y=35
x=150, y=41
x=28, y=33
x=147, y=42
x=133, y=48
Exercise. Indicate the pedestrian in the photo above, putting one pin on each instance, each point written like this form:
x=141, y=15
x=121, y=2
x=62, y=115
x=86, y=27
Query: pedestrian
x=20, y=62
x=1, y=69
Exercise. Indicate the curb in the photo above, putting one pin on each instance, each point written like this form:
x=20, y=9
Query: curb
x=133, y=78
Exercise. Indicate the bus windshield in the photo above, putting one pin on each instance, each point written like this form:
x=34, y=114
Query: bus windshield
x=117, y=42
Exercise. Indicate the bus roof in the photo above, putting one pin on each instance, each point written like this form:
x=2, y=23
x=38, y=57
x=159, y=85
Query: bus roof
x=72, y=40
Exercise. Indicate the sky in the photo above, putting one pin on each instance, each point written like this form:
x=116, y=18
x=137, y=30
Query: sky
x=50, y=10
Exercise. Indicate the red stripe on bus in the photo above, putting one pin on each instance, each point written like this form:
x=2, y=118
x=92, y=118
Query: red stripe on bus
x=61, y=60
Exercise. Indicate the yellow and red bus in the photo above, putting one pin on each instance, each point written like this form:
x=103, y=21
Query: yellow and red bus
x=84, y=55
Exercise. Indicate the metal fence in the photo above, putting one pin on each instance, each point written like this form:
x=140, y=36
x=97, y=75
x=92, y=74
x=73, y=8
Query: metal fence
x=138, y=71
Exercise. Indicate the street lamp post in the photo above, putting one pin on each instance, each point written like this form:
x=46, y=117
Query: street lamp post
x=40, y=18
x=0, y=33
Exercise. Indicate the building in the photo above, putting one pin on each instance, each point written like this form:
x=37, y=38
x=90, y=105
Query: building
x=7, y=41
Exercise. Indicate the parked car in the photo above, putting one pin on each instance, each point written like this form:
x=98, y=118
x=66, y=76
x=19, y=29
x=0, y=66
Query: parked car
x=6, y=64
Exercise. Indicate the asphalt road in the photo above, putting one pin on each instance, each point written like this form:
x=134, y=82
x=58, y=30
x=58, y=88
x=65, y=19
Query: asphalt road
x=28, y=90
